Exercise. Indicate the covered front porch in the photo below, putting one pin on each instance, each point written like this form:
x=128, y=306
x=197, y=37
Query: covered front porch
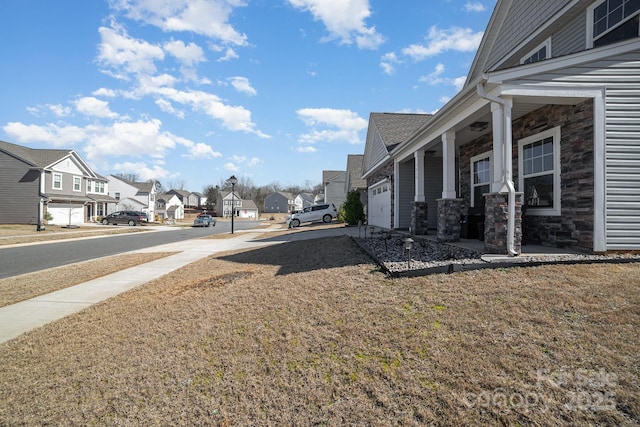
x=469, y=162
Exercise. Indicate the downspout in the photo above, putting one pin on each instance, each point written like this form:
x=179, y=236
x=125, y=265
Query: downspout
x=508, y=169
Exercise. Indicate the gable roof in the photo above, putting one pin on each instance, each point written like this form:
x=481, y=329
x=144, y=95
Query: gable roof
x=394, y=128
x=354, y=172
x=248, y=204
x=36, y=157
x=329, y=175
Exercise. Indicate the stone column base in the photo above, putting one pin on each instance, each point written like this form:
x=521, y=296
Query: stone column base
x=449, y=211
x=419, y=220
x=495, y=223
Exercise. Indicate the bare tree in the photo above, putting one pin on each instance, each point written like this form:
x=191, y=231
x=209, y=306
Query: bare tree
x=178, y=184
x=129, y=176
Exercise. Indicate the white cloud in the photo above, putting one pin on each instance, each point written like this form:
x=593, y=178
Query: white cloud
x=474, y=7
x=209, y=18
x=434, y=78
x=307, y=149
x=124, y=55
x=230, y=167
x=254, y=161
x=344, y=124
x=52, y=134
x=228, y=55
x=142, y=170
x=241, y=84
x=188, y=55
x=94, y=107
x=104, y=92
x=458, y=82
x=345, y=20
x=202, y=151
x=59, y=110
x=439, y=41
x=388, y=61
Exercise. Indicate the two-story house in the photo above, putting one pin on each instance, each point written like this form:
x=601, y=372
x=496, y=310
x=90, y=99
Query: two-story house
x=133, y=195
x=543, y=138
x=49, y=183
x=169, y=207
x=279, y=202
x=229, y=203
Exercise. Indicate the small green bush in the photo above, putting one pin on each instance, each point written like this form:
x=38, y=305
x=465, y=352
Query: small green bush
x=352, y=210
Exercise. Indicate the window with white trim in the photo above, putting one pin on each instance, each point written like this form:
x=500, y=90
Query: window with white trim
x=611, y=21
x=77, y=182
x=539, y=172
x=57, y=181
x=480, y=178
x=540, y=53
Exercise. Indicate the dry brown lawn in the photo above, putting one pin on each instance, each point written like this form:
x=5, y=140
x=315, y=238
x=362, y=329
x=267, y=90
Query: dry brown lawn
x=311, y=333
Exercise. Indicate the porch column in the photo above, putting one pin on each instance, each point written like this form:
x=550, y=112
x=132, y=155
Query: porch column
x=449, y=207
x=449, y=165
x=497, y=113
x=419, y=208
x=396, y=195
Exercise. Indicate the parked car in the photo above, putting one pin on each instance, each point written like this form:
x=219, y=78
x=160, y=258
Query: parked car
x=123, y=217
x=144, y=216
x=314, y=213
x=204, y=220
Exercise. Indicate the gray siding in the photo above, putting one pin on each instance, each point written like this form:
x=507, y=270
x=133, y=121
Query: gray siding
x=570, y=38
x=523, y=18
x=622, y=133
x=432, y=188
x=19, y=192
x=407, y=192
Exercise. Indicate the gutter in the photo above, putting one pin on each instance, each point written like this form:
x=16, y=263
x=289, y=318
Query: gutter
x=507, y=167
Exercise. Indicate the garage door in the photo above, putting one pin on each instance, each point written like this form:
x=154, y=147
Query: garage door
x=379, y=209
x=66, y=214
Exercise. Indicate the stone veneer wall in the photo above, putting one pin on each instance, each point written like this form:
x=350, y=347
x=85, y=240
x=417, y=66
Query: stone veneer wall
x=383, y=173
x=495, y=223
x=574, y=227
x=449, y=220
x=419, y=218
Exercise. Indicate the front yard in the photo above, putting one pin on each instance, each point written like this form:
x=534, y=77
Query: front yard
x=285, y=335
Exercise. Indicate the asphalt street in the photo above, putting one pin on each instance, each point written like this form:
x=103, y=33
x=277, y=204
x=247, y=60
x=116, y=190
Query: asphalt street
x=29, y=258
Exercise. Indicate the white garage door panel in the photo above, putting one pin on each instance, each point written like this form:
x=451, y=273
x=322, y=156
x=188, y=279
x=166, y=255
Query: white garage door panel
x=61, y=216
x=379, y=210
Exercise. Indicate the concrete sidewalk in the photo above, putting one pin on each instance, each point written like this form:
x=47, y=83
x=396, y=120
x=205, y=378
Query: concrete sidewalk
x=24, y=316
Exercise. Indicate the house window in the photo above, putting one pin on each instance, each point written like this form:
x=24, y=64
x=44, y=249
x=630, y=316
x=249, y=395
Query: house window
x=611, y=21
x=480, y=178
x=57, y=181
x=117, y=196
x=538, y=54
x=100, y=187
x=77, y=182
x=89, y=185
x=539, y=177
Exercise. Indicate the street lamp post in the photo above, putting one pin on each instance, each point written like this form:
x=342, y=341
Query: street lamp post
x=233, y=181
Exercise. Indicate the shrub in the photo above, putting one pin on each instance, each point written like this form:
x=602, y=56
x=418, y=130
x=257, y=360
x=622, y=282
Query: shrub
x=352, y=210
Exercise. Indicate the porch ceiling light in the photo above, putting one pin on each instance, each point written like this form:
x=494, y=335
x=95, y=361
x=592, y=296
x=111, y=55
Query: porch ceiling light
x=479, y=126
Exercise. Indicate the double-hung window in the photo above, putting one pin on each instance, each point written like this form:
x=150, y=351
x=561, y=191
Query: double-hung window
x=77, y=182
x=57, y=181
x=539, y=172
x=480, y=178
x=611, y=21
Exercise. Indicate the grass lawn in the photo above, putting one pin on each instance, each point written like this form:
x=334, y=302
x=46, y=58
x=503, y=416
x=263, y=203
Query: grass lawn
x=311, y=333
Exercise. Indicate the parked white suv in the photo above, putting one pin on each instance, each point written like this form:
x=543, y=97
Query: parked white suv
x=323, y=212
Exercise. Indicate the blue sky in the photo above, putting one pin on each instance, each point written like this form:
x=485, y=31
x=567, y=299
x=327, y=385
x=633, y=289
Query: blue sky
x=193, y=91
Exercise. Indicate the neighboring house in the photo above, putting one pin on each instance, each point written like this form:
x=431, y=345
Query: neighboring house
x=200, y=198
x=279, y=202
x=188, y=199
x=230, y=203
x=247, y=209
x=41, y=182
x=354, y=180
x=334, y=185
x=169, y=207
x=303, y=200
x=133, y=195
x=385, y=132
x=543, y=137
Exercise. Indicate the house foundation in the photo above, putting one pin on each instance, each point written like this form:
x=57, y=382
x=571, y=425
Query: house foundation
x=495, y=223
x=419, y=219
x=449, y=219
